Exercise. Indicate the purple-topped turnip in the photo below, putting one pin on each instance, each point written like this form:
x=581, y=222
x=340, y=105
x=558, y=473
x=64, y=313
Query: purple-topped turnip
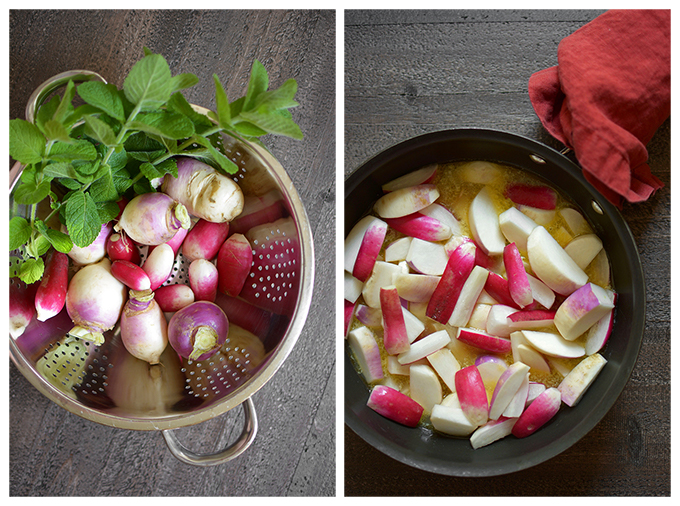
x=143, y=327
x=198, y=330
x=153, y=218
x=95, y=251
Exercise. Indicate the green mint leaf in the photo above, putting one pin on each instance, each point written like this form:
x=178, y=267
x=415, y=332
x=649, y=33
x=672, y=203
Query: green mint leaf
x=46, y=112
x=60, y=170
x=82, y=219
x=146, y=156
x=30, y=193
x=26, y=142
x=168, y=166
x=182, y=82
x=56, y=131
x=31, y=270
x=249, y=130
x=258, y=83
x=222, y=161
x=103, y=188
x=59, y=240
x=223, y=109
x=148, y=85
x=78, y=149
x=107, y=211
x=19, y=232
x=280, y=98
x=276, y=122
x=149, y=171
x=121, y=180
x=179, y=104
x=100, y=131
x=66, y=103
x=104, y=97
x=38, y=246
x=164, y=124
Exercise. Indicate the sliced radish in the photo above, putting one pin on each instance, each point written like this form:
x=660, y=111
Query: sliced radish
x=395, y=406
x=492, y=431
x=538, y=196
x=415, y=287
x=497, y=287
x=451, y=420
x=532, y=358
x=516, y=227
x=599, y=333
x=575, y=221
x=583, y=249
x=531, y=319
x=427, y=257
x=497, y=322
x=539, y=412
x=472, y=395
x=439, y=212
x=518, y=281
x=483, y=341
x=469, y=294
x=424, y=386
x=582, y=309
x=575, y=384
x=480, y=172
x=479, y=315
x=353, y=287
x=354, y=242
x=553, y=344
x=506, y=388
x=414, y=326
x=349, y=308
x=484, y=223
x=446, y=366
x=395, y=337
x=405, y=201
x=519, y=400
x=535, y=389
x=542, y=217
x=396, y=251
x=420, y=176
x=425, y=346
x=382, y=275
x=541, y=292
x=600, y=269
x=369, y=316
x=366, y=352
x=394, y=367
x=458, y=268
x=490, y=367
x=420, y=226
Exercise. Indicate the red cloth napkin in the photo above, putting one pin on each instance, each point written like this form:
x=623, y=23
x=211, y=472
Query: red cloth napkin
x=609, y=93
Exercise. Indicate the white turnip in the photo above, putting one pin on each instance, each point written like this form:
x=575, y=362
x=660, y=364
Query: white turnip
x=198, y=330
x=204, y=192
x=143, y=327
x=95, y=251
x=153, y=218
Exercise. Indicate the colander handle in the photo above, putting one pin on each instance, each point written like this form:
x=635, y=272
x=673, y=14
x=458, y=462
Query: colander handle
x=212, y=459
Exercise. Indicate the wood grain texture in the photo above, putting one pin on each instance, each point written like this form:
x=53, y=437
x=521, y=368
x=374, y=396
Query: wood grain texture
x=413, y=72
x=55, y=453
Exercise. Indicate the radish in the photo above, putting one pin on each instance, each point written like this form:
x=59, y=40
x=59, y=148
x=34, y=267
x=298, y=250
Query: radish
x=530, y=319
x=254, y=319
x=153, y=218
x=497, y=322
x=131, y=275
x=395, y=406
x=172, y=298
x=198, y=330
x=490, y=368
x=469, y=294
x=423, y=175
x=424, y=386
x=479, y=314
x=498, y=288
x=480, y=172
x=415, y=287
x=258, y=210
x=484, y=223
x=21, y=306
x=483, y=341
x=204, y=239
x=369, y=250
x=396, y=251
x=506, y=388
x=94, y=301
x=120, y=247
x=382, y=275
x=425, y=346
x=370, y=225
x=352, y=287
x=395, y=338
x=394, y=367
x=369, y=316
x=539, y=412
x=442, y=214
x=458, y=268
x=143, y=327
x=542, y=217
x=582, y=309
x=579, y=379
x=446, y=366
x=519, y=400
x=421, y=226
x=541, y=292
x=538, y=196
x=599, y=333
x=177, y=240
x=472, y=395
x=492, y=431
x=234, y=261
x=203, y=279
x=553, y=344
x=95, y=251
x=406, y=201
x=532, y=358
x=349, y=308
x=575, y=221
x=51, y=294
x=518, y=281
x=158, y=265
x=451, y=420
x=414, y=326
x=535, y=389
x=204, y=192
x=367, y=353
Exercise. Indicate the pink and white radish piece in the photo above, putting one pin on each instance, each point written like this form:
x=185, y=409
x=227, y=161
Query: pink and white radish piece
x=395, y=406
x=406, y=201
x=539, y=412
x=472, y=395
x=204, y=240
x=366, y=352
x=234, y=261
x=172, y=298
x=158, y=265
x=203, y=279
x=51, y=294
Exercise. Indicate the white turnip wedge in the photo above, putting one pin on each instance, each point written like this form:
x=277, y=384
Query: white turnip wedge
x=468, y=296
x=506, y=388
x=446, y=366
x=427, y=257
x=483, y=341
x=394, y=405
x=472, y=395
x=395, y=337
x=552, y=265
x=490, y=368
x=458, y=268
x=442, y=214
x=424, y=386
x=542, y=217
x=451, y=420
x=575, y=221
x=491, y=431
x=539, y=412
x=516, y=227
x=541, y=292
x=353, y=287
x=599, y=333
x=518, y=281
x=394, y=367
x=497, y=321
x=421, y=226
x=397, y=250
x=425, y=346
x=369, y=316
x=535, y=389
x=583, y=249
x=553, y=344
x=533, y=359
x=415, y=287
x=480, y=172
x=382, y=275
x=484, y=223
x=600, y=269
x=414, y=326
x=419, y=176
x=519, y=400
x=405, y=201
x=582, y=309
x=479, y=315
x=355, y=239
x=366, y=352
x=575, y=384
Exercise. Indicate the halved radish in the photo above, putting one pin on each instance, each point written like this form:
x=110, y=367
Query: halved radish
x=395, y=406
x=539, y=412
x=366, y=352
x=484, y=223
x=423, y=175
x=421, y=226
x=472, y=395
x=395, y=337
x=406, y=201
x=458, y=268
x=425, y=346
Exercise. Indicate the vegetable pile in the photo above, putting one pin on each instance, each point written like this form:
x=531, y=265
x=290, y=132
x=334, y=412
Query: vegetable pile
x=477, y=301
x=111, y=192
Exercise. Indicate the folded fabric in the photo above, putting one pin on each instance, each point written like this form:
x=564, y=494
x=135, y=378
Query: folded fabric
x=607, y=96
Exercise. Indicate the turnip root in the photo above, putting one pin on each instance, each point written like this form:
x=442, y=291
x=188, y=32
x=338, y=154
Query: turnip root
x=94, y=301
x=234, y=260
x=395, y=406
x=367, y=353
x=197, y=331
x=143, y=328
x=21, y=306
x=203, y=279
x=153, y=218
x=120, y=247
x=492, y=431
x=424, y=386
x=95, y=251
x=204, y=240
x=582, y=309
x=579, y=379
x=131, y=275
x=204, y=192
x=172, y=298
x=158, y=265
x=406, y=201
x=51, y=295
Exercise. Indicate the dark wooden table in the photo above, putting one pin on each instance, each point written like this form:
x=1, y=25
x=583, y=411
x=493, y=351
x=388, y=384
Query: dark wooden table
x=412, y=72
x=55, y=453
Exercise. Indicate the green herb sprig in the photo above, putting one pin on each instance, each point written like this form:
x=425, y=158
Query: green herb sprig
x=82, y=159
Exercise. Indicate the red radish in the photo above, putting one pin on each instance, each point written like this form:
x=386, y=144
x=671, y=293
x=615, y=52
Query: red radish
x=424, y=175
x=158, y=265
x=369, y=250
x=395, y=337
x=472, y=395
x=51, y=295
x=406, y=201
x=425, y=346
x=458, y=268
x=492, y=431
x=498, y=288
x=143, y=327
x=420, y=226
x=427, y=257
x=575, y=384
x=95, y=251
x=153, y=218
x=172, y=298
x=506, y=388
x=468, y=296
x=535, y=389
x=518, y=282
x=497, y=321
x=424, y=386
x=21, y=306
x=120, y=247
x=441, y=213
x=519, y=400
x=395, y=406
x=177, y=240
x=539, y=412
x=367, y=353
x=203, y=279
x=131, y=275
x=204, y=240
x=538, y=196
x=483, y=341
x=582, y=309
x=258, y=210
x=198, y=330
x=94, y=301
x=349, y=313
x=204, y=192
x=530, y=319
x=484, y=223
x=122, y=202
x=234, y=261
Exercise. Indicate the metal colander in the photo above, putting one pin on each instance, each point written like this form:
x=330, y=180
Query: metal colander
x=107, y=385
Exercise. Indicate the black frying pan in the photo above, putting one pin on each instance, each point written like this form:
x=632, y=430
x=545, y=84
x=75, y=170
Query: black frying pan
x=455, y=456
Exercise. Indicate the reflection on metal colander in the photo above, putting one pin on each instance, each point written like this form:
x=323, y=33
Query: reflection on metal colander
x=65, y=362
